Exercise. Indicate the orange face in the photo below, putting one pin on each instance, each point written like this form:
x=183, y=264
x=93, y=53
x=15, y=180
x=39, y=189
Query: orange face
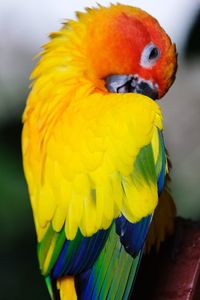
x=128, y=41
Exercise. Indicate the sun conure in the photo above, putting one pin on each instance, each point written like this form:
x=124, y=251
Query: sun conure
x=93, y=149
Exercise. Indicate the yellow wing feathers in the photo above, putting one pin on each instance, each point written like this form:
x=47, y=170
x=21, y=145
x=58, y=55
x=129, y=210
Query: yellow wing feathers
x=76, y=164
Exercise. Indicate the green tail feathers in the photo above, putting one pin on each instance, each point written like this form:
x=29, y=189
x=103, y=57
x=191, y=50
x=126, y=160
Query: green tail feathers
x=113, y=274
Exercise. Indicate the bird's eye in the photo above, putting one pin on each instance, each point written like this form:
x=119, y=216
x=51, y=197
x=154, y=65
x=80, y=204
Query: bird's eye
x=154, y=53
x=149, y=56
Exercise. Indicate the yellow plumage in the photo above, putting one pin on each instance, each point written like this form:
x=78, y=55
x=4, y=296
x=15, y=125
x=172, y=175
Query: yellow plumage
x=65, y=168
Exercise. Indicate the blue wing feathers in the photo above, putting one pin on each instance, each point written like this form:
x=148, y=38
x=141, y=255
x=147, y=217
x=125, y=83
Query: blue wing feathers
x=80, y=254
x=132, y=235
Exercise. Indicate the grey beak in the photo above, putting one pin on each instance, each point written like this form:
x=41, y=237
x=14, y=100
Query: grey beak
x=131, y=84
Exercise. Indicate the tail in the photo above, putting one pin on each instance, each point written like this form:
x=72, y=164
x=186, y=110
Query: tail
x=66, y=286
x=113, y=274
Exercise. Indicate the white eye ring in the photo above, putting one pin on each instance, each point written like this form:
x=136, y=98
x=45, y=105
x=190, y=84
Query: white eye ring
x=149, y=56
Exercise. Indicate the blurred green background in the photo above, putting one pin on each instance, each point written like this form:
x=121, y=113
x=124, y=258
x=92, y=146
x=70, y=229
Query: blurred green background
x=19, y=272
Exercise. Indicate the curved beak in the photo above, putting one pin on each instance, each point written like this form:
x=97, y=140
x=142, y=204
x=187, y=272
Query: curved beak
x=131, y=84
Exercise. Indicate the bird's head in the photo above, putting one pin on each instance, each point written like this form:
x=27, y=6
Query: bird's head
x=129, y=51
x=117, y=49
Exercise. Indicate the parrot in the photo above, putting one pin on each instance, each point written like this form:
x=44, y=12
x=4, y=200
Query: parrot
x=93, y=150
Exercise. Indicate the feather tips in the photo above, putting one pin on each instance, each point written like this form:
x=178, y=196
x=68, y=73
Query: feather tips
x=58, y=256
